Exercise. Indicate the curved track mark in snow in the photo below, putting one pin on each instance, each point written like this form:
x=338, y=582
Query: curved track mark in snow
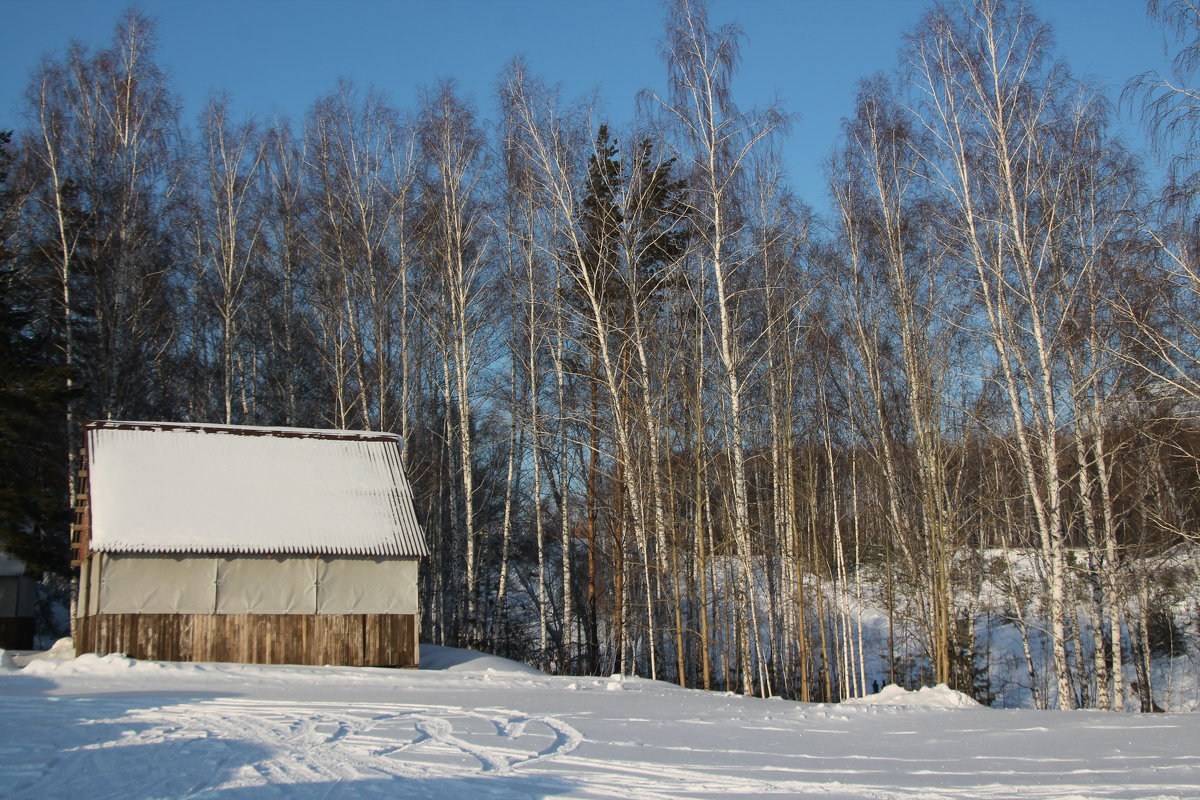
x=441, y=732
x=439, y=729
x=303, y=745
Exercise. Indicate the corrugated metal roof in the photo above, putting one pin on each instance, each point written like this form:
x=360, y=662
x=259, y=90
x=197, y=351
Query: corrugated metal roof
x=160, y=487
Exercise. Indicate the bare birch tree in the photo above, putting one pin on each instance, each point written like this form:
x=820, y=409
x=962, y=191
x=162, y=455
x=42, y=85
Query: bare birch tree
x=105, y=135
x=229, y=223
x=457, y=253
x=714, y=142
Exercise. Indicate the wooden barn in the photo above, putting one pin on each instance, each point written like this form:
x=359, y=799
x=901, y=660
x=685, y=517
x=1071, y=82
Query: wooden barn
x=18, y=595
x=246, y=544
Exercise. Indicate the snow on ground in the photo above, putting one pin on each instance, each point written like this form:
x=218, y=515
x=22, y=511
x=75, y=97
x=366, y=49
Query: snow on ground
x=940, y=696
x=477, y=726
x=458, y=660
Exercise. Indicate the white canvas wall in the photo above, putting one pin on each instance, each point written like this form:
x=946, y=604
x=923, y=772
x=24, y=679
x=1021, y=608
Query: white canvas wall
x=267, y=586
x=160, y=585
x=163, y=584
x=91, y=580
x=367, y=586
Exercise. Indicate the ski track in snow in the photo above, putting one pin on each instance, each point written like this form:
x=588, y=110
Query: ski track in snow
x=310, y=743
x=228, y=735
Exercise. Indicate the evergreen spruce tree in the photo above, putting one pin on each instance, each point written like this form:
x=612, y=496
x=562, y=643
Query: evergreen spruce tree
x=34, y=506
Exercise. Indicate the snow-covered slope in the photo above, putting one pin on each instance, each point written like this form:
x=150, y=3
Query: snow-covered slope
x=483, y=727
x=940, y=696
x=459, y=660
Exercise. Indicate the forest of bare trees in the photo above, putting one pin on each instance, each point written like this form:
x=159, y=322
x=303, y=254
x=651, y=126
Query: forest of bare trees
x=660, y=417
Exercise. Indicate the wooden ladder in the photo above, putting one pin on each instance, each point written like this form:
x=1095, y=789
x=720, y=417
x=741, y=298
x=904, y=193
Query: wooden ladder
x=81, y=528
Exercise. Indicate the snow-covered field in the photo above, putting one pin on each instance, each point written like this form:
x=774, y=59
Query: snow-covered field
x=471, y=726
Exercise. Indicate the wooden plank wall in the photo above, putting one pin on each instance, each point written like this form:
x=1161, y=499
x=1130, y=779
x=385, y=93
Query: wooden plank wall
x=378, y=640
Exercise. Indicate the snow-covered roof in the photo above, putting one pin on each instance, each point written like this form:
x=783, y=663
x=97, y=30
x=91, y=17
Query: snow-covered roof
x=161, y=487
x=10, y=566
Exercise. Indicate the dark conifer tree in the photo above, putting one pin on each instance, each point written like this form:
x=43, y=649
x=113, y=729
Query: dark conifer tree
x=34, y=512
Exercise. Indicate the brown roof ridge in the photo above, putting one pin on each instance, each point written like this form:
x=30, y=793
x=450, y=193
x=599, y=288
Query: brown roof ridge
x=242, y=430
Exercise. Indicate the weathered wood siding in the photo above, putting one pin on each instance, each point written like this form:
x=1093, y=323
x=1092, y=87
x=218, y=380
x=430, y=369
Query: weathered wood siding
x=379, y=640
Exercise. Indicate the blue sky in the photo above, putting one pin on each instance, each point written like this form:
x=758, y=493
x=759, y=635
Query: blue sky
x=277, y=56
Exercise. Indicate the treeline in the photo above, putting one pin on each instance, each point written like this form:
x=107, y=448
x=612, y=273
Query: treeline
x=658, y=417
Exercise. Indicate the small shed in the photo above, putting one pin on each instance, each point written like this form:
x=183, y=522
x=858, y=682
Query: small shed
x=246, y=544
x=18, y=595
